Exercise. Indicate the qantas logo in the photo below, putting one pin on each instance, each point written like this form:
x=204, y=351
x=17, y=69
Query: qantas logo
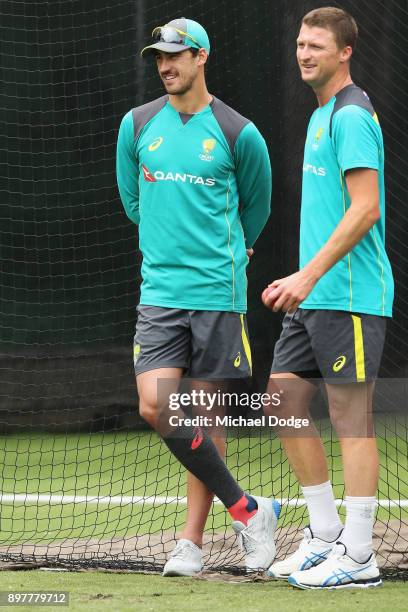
x=313, y=170
x=147, y=176
x=176, y=177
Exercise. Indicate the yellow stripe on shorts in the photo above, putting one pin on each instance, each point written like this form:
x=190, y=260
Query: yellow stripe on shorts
x=245, y=343
x=359, y=349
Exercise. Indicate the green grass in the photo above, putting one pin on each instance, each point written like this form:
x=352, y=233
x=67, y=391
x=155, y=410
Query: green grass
x=124, y=592
x=136, y=464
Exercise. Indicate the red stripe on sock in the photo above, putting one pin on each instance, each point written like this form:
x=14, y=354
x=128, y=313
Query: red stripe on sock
x=239, y=511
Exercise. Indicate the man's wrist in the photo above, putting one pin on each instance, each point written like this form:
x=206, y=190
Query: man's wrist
x=313, y=271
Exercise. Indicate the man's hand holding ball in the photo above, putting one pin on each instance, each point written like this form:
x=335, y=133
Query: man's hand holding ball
x=269, y=296
x=287, y=293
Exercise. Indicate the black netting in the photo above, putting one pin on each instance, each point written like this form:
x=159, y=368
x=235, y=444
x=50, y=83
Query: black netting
x=80, y=482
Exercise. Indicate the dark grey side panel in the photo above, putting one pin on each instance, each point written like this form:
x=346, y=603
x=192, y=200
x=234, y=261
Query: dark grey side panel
x=231, y=122
x=351, y=95
x=143, y=114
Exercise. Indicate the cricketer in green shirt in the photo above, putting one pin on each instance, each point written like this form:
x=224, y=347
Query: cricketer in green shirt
x=344, y=134
x=199, y=187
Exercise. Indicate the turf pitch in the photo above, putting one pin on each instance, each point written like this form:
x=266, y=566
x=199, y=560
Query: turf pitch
x=124, y=592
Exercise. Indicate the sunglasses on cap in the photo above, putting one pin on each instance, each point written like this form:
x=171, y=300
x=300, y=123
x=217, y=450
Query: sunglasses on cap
x=169, y=34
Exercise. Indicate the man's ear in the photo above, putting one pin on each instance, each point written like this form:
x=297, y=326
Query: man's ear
x=202, y=56
x=346, y=54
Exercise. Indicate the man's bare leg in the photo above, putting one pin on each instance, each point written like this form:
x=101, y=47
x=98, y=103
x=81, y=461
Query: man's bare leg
x=307, y=458
x=153, y=408
x=350, y=408
x=199, y=500
x=351, y=415
x=306, y=454
x=304, y=450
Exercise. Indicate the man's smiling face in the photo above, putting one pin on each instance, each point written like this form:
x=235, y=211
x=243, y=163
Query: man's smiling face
x=318, y=55
x=178, y=71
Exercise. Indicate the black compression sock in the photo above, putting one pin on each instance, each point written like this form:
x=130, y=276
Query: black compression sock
x=193, y=447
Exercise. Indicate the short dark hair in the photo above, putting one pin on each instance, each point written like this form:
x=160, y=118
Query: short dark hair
x=194, y=53
x=341, y=23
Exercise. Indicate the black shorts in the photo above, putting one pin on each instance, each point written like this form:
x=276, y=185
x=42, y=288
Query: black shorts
x=336, y=345
x=205, y=343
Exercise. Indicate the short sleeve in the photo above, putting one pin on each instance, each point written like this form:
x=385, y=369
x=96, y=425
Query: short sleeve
x=356, y=138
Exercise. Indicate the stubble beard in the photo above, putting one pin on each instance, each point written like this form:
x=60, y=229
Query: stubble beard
x=183, y=89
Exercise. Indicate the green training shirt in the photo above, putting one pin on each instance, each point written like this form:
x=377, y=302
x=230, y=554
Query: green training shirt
x=344, y=134
x=199, y=187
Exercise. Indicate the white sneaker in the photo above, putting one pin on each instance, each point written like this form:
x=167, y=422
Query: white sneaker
x=257, y=538
x=311, y=552
x=339, y=571
x=185, y=560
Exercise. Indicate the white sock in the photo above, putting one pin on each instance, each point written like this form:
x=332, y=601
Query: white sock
x=324, y=518
x=358, y=531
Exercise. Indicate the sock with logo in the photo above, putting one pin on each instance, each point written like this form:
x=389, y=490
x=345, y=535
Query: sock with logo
x=324, y=518
x=244, y=509
x=193, y=447
x=357, y=536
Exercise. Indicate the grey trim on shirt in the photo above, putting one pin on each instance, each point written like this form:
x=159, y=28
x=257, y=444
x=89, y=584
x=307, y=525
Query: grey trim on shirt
x=143, y=114
x=230, y=122
x=351, y=95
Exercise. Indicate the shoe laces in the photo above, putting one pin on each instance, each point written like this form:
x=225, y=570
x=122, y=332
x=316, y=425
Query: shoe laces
x=338, y=551
x=247, y=541
x=307, y=536
x=182, y=550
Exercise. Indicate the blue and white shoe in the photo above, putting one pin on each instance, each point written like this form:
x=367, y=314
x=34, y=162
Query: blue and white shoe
x=311, y=552
x=339, y=571
x=257, y=538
